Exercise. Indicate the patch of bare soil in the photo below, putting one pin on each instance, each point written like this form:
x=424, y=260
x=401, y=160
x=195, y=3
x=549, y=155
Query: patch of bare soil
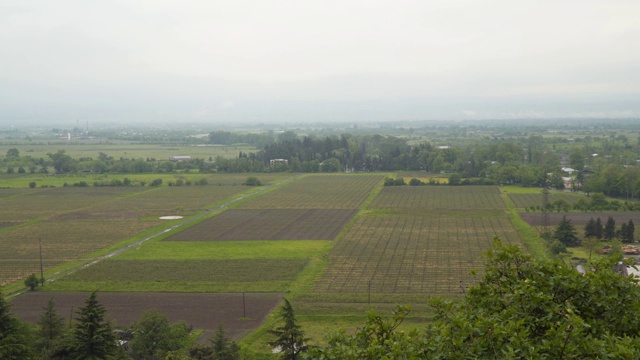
x=238, y=313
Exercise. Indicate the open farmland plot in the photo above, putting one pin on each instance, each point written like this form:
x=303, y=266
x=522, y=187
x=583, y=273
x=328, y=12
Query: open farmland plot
x=42, y=203
x=428, y=254
x=439, y=197
x=283, y=224
x=239, y=313
x=173, y=200
x=346, y=191
x=524, y=201
x=418, y=240
x=233, y=275
x=74, y=222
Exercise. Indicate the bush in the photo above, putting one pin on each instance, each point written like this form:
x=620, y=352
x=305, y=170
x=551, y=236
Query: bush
x=156, y=182
x=252, y=181
x=415, y=182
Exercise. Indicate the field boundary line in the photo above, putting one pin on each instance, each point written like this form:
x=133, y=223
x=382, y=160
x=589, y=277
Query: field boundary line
x=534, y=243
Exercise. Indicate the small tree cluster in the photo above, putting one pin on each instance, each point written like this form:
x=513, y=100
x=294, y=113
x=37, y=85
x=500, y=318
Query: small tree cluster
x=594, y=229
x=394, y=182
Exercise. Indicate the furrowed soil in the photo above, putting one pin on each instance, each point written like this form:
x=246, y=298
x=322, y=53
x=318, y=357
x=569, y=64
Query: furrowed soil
x=238, y=313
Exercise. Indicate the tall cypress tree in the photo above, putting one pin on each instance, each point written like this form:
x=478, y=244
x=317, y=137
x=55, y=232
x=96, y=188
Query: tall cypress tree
x=590, y=228
x=609, y=231
x=93, y=337
x=599, y=230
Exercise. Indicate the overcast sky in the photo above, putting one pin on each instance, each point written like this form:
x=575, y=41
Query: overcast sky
x=310, y=60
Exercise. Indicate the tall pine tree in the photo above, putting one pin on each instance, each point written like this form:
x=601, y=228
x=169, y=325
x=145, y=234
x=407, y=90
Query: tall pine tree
x=566, y=233
x=609, y=231
x=93, y=337
x=289, y=336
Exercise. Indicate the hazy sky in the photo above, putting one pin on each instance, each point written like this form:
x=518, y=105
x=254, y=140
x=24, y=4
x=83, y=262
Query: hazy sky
x=310, y=60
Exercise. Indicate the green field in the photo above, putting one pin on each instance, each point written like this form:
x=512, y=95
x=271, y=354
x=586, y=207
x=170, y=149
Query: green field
x=92, y=149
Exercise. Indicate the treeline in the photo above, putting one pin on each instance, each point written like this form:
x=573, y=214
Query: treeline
x=527, y=161
x=93, y=337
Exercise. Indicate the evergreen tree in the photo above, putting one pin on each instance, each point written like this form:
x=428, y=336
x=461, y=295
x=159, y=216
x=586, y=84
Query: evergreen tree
x=609, y=231
x=93, y=337
x=590, y=228
x=13, y=335
x=223, y=347
x=51, y=323
x=627, y=232
x=289, y=336
x=566, y=233
x=154, y=337
x=598, y=228
x=51, y=331
x=623, y=233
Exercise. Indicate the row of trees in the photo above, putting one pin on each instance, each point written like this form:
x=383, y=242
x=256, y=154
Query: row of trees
x=93, y=337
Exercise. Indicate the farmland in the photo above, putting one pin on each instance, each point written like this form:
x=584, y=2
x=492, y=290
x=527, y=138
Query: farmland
x=73, y=222
x=240, y=313
x=329, y=239
x=319, y=192
x=117, y=150
x=434, y=198
x=278, y=224
x=417, y=240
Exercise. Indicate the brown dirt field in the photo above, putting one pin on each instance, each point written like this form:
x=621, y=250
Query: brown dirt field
x=276, y=224
x=581, y=219
x=202, y=311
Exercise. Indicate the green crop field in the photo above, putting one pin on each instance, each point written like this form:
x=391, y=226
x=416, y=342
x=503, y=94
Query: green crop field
x=320, y=192
x=16, y=181
x=439, y=197
x=91, y=149
x=192, y=275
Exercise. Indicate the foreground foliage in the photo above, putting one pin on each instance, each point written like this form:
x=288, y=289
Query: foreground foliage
x=522, y=308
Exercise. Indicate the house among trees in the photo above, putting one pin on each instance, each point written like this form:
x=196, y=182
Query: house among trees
x=274, y=162
x=180, y=158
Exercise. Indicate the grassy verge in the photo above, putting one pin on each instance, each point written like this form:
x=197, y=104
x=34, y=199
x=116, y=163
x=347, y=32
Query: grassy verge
x=534, y=243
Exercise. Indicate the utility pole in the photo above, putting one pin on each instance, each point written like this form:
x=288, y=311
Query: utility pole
x=41, y=267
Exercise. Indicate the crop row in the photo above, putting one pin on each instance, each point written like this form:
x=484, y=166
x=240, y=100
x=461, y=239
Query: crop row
x=319, y=192
x=282, y=224
x=441, y=197
x=429, y=254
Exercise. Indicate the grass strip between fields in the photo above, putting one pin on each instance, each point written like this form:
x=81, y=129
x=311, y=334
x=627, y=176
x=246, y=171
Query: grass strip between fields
x=534, y=243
